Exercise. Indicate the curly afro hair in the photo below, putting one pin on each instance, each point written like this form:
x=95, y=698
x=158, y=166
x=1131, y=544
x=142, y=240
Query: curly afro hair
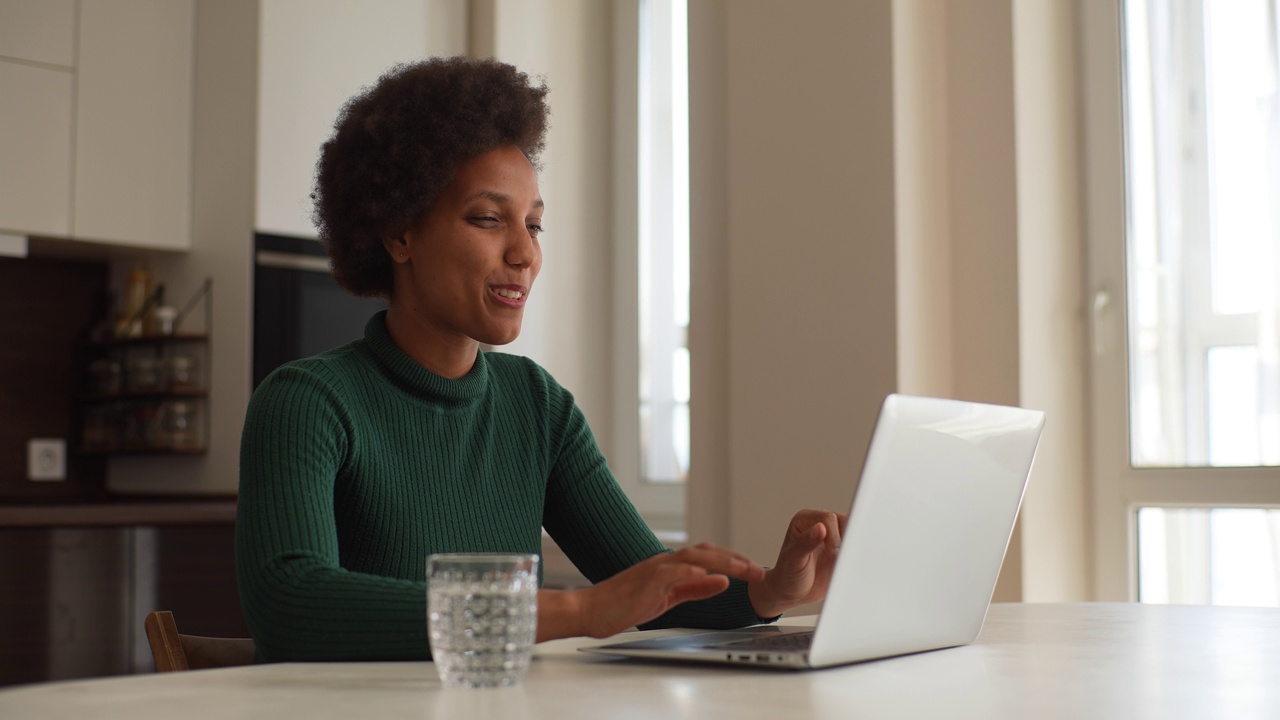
x=396, y=145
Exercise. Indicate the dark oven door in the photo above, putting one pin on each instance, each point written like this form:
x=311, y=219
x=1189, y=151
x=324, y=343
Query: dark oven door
x=298, y=309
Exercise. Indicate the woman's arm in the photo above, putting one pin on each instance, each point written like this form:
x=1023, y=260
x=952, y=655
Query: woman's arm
x=298, y=601
x=637, y=581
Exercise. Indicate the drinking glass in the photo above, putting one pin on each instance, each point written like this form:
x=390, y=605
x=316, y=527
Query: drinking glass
x=482, y=617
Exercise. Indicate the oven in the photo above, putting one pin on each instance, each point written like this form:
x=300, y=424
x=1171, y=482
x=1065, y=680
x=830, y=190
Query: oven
x=298, y=309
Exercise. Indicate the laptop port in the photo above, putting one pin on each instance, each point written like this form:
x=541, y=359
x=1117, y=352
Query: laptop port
x=763, y=657
x=744, y=658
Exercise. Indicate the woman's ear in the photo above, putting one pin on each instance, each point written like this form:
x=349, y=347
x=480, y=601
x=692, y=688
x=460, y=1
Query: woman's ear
x=397, y=248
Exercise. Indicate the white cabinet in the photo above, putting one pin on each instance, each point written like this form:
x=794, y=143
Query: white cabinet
x=35, y=149
x=37, y=85
x=41, y=31
x=96, y=124
x=134, y=122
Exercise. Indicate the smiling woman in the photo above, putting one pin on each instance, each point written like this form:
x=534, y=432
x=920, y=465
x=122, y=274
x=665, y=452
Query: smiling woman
x=358, y=463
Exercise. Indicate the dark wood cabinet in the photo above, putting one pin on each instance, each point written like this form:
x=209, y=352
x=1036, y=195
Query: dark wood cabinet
x=75, y=597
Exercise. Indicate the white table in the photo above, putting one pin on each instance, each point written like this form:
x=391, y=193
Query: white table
x=1083, y=660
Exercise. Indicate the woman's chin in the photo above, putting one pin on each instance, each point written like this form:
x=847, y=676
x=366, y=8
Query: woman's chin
x=498, y=338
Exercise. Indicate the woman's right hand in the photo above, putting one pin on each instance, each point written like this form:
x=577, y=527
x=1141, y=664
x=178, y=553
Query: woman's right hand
x=648, y=589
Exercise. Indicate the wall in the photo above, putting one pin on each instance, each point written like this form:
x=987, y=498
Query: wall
x=901, y=219
x=793, y=217
x=1052, y=299
x=47, y=307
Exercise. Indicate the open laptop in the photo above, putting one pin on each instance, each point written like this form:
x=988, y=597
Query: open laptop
x=931, y=519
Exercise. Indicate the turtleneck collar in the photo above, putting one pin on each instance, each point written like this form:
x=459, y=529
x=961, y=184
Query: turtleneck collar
x=419, y=381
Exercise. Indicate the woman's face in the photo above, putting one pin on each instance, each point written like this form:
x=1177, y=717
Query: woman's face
x=473, y=259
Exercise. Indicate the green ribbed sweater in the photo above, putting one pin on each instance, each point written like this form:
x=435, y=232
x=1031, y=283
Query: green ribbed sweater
x=357, y=463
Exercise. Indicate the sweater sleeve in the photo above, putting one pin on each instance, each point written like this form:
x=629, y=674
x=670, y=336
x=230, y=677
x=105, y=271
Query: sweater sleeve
x=299, y=603
x=600, y=530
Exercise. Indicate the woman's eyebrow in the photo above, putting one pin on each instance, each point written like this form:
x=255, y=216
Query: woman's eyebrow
x=498, y=197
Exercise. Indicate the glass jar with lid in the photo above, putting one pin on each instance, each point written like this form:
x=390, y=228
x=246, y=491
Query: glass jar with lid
x=145, y=373
x=180, y=426
x=183, y=371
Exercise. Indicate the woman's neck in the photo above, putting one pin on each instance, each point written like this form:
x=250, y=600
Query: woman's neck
x=448, y=355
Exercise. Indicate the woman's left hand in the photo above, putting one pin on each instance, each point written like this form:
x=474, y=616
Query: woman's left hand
x=803, y=571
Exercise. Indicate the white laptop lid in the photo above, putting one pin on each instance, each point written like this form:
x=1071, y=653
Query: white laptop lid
x=936, y=504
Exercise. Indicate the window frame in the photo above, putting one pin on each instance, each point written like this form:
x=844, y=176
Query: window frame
x=1119, y=489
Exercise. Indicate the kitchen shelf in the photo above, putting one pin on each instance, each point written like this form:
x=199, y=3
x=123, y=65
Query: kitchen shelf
x=144, y=396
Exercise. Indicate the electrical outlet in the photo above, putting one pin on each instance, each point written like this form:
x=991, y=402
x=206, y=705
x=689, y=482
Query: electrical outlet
x=46, y=459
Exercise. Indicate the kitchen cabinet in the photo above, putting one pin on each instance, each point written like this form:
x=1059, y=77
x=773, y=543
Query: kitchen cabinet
x=134, y=123
x=100, y=151
x=35, y=149
x=40, y=31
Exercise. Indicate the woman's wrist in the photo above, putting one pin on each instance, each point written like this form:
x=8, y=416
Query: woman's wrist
x=560, y=614
x=763, y=601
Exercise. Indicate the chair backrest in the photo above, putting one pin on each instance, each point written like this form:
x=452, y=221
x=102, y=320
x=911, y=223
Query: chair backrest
x=174, y=651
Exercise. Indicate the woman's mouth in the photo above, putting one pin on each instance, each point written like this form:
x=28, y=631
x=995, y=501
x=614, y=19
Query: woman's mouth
x=510, y=296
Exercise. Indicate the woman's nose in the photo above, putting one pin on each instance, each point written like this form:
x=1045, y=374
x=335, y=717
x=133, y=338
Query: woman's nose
x=522, y=251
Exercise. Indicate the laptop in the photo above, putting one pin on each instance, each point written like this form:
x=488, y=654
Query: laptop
x=931, y=519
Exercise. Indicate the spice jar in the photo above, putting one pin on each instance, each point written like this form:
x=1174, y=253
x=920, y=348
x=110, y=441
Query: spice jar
x=180, y=426
x=183, y=372
x=145, y=373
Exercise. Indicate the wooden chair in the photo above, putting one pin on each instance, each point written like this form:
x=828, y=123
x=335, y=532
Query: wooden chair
x=173, y=651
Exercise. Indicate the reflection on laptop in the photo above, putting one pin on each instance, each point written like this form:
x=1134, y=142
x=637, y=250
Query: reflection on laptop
x=934, y=509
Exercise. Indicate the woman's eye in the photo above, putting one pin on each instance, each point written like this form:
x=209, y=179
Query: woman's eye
x=535, y=229
x=485, y=220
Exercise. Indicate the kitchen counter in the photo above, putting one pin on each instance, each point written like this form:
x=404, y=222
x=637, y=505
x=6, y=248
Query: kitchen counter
x=120, y=513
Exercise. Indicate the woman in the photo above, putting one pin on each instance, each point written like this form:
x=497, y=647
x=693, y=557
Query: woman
x=359, y=462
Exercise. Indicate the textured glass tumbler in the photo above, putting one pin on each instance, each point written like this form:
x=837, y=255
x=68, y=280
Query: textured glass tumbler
x=482, y=617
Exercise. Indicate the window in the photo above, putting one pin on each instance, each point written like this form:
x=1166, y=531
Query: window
x=1186, y=365
x=1213, y=556
x=663, y=241
x=652, y=274
x=1203, y=150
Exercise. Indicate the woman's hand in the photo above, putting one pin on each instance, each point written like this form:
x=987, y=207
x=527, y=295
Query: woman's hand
x=642, y=592
x=803, y=571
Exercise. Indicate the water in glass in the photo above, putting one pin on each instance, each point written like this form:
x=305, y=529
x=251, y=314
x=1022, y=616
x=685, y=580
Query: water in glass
x=482, y=617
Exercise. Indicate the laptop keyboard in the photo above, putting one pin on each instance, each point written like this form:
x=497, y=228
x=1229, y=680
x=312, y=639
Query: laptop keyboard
x=782, y=641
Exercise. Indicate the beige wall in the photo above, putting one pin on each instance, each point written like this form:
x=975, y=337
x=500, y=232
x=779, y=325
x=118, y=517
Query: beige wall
x=793, y=218
x=1056, y=536
x=874, y=216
